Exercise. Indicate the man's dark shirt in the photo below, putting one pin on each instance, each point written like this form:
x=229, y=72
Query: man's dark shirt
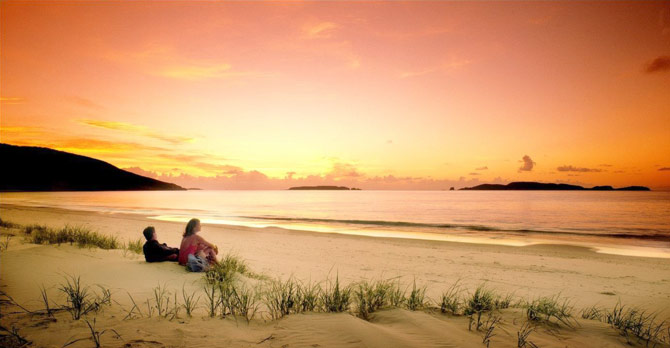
x=154, y=252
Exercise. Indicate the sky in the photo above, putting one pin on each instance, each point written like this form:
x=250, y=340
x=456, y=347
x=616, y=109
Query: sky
x=376, y=95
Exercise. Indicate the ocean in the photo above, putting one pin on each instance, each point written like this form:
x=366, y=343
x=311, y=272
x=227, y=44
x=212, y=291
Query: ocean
x=629, y=223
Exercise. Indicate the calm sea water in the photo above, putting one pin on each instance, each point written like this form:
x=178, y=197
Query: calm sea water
x=620, y=222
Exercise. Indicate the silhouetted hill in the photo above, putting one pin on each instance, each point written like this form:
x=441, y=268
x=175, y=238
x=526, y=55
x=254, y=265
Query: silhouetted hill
x=322, y=188
x=528, y=185
x=40, y=169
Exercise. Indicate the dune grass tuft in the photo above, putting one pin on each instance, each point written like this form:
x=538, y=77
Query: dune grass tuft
x=451, y=299
x=280, y=297
x=81, y=236
x=635, y=323
x=592, y=313
x=228, y=269
x=307, y=297
x=552, y=309
x=416, y=298
x=80, y=300
x=135, y=246
x=522, y=336
x=372, y=296
x=8, y=224
x=482, y=300
x=334, y=297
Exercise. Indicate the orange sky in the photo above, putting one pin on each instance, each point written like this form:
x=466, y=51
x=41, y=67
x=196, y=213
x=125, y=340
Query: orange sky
x=379, y=95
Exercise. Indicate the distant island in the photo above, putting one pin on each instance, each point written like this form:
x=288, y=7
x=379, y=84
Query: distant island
x=528, y=185
x=324, y=188
x=40, y=169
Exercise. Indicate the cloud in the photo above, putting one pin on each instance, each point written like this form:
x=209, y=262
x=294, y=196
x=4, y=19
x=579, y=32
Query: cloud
x=482, y=168
x=343, y=170
x=85, y=102
x=663, y=169
x=528, y=164
x=321, y=30
x=137, y=130
x=660, y=64
x=448, y=66
x=605, y=165
x=253, y=179
x=474, y=174
x=569, y=168
x=11, y=100
x=201, y=72
x=164, y=61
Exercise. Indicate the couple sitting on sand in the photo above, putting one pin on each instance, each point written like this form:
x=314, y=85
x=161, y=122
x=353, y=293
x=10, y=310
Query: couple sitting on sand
x=195, y=252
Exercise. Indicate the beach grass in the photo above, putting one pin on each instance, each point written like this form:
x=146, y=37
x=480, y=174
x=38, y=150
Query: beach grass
x=335, y=297
x=307, y=297
x=80, y=300
x=135, y=246
x=481, y=300
x=551, y=309
x=280, y=297
x=228, y=269
x=417, y=298
x=634, y=323
x=79, y=235
x=523, y=334
x=372, y=296
x=592, y=313
x=190, y=301
x=451, y=299
x=8, y=224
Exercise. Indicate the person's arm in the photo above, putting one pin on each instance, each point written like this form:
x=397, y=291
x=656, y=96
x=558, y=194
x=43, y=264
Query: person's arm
x=205, y=243
x=166, y=251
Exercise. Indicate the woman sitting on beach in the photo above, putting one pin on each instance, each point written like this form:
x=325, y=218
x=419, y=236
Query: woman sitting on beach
x=195, y=251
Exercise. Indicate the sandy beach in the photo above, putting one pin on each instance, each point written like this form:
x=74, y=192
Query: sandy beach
x=584, y=277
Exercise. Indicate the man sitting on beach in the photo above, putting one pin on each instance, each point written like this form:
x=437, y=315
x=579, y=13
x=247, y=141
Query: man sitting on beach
x=155, y=252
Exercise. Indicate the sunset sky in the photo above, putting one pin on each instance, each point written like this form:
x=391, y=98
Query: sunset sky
x=377, y=95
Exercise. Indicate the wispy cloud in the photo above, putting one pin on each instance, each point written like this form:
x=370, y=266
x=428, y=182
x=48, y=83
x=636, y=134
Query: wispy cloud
x=569, y=168
x=663, y=169
x=198, y=72
x=660, y=64
x=12, y=100
x=165, y=61
x=137, y=130
x=85, y=102
x=319, y=30
x=448, y=66
x=482, y=168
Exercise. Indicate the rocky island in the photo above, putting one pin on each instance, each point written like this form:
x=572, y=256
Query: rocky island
x=529, y=185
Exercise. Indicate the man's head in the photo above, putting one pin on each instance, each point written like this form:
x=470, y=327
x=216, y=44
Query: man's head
x=149, y=233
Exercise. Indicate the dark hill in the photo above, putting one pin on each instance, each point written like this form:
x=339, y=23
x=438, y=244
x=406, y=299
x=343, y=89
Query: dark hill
x=529, y=185
x=40, y=169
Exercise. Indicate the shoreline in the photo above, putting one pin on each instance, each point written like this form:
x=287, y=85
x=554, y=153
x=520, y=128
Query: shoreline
x=595, y=243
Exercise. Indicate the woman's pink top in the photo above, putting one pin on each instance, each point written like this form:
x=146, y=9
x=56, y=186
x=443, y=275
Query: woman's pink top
x=184, y=252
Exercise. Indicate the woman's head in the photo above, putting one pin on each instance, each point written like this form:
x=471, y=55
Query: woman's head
x=192, y=227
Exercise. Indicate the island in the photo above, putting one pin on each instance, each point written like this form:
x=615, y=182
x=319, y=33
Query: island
x=529, y=185
x=324, y=188
x=30, y=168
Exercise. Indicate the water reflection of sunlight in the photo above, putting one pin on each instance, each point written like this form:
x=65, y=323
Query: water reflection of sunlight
x=507, y=240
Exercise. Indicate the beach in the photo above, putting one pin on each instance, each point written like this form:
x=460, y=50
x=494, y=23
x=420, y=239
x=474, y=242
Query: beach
x=579, y=274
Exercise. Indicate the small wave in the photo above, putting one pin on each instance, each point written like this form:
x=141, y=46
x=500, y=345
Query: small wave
x=640, y=233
